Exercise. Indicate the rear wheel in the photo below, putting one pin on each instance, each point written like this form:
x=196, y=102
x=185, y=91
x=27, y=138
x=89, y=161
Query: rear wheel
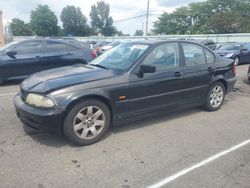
x=215, y=97
x=87, y=122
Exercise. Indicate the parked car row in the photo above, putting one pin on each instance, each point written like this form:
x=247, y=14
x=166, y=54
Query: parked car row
x=239, y=52
x=128, y=81
x=18, y=60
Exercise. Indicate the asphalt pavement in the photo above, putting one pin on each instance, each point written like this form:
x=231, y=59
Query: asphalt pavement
x=191, y=148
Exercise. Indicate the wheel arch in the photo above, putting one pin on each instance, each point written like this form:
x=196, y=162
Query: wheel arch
x=101, y=98
x=221, y=80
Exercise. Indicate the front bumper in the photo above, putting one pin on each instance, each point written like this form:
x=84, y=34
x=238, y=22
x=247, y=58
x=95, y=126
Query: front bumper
x=38, y=119
x=230, y=84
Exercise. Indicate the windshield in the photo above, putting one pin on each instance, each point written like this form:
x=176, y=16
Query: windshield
x=231, y=47
x=121, y=57
x=5, y=47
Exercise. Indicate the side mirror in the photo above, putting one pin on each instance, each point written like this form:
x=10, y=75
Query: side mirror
x=147, y=69
x=12, y=54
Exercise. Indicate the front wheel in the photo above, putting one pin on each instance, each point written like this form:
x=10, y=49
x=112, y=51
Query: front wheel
x=215, y=97
x=87, y=122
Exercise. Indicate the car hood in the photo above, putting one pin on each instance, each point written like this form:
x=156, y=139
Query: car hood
x=227, y=51
x=54, y=79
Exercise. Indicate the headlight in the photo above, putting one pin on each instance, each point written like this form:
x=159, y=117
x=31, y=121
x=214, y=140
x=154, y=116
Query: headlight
x=39, y=101
x=229, y=55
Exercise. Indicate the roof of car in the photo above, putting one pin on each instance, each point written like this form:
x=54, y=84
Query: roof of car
x=155, y=42
x=66, y=41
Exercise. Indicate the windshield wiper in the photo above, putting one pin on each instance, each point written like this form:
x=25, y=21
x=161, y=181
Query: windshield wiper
x=100, y=66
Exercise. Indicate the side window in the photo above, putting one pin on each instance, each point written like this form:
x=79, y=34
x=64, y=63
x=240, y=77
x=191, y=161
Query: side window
x=194, y=54
x=29, y=48
x=209, y=56
x=55, y=47
x=72, y=48
x=164, y=57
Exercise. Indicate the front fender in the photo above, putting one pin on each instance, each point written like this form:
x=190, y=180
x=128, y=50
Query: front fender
x=64, y=100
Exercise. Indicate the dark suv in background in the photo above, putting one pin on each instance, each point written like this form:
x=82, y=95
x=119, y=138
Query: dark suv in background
x=239, y=52
x=18, y=60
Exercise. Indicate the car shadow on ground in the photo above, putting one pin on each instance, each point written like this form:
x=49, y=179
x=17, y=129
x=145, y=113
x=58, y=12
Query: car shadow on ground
x=58, y=140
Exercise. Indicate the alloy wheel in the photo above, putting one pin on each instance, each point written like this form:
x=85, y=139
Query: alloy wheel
x=216, y=96
x=89, y=122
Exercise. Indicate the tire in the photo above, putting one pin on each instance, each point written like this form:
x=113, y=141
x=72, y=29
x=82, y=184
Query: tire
x=214, y=100
x=237, y=61
x=87, y=122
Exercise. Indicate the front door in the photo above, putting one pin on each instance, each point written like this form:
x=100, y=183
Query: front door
x=159, y=90
x=25, y=62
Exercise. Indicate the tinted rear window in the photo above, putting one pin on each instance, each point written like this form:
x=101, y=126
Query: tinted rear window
x=53, y=46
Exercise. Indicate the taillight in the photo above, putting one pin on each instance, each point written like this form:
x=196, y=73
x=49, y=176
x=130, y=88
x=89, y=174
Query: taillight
x=234, y=69
x=94, y=54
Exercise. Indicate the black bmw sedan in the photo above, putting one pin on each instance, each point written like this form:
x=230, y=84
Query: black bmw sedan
x=18, y=60
x=131, y=81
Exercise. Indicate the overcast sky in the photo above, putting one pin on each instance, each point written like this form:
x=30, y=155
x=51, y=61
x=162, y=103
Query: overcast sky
x=120, y=10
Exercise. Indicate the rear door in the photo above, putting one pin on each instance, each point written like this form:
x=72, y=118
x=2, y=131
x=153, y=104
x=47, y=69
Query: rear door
x=57, y=54
x=197, y=73
x=26, y=61
x=159, y=90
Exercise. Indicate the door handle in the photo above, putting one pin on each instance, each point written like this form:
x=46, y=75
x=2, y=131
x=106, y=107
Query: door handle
x=178, y=74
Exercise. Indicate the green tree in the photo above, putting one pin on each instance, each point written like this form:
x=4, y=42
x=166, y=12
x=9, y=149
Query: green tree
x=43, y=21
x=100, y=19
x=74, y=22
x=225, y=22
x=20, y=28
x=138, y=33
x=119, y=33
x=211, y=16
x=178, y=22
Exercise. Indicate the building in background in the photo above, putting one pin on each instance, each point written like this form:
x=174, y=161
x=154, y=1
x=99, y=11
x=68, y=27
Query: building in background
x=1, y=30
x=8, y=35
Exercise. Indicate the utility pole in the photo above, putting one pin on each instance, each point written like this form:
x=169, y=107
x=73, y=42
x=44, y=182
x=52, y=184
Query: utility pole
x=147, y=19
x=142, y=27
x=1, y=30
